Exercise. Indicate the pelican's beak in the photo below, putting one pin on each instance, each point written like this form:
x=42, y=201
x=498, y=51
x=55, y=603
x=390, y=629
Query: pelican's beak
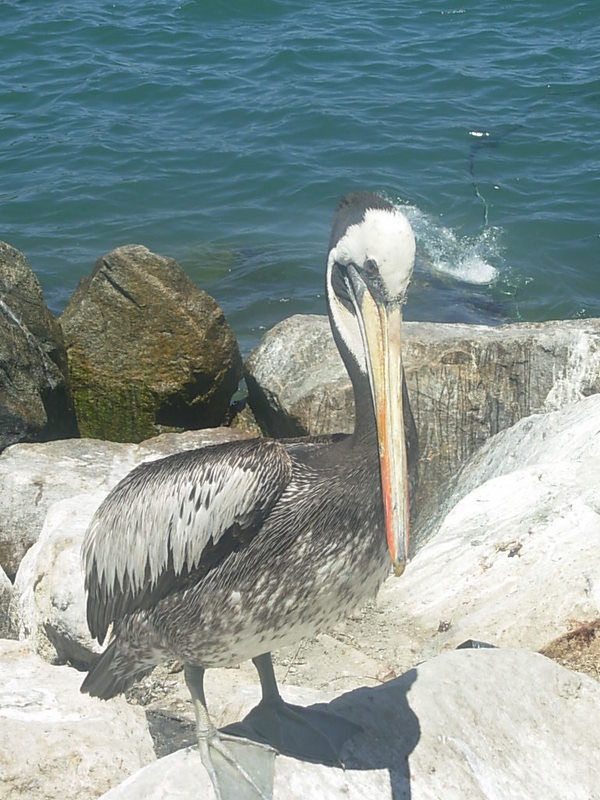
x=381, y=330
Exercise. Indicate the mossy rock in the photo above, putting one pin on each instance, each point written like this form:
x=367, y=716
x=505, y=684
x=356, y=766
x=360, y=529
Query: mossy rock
x=148, y=351
x=35, y=398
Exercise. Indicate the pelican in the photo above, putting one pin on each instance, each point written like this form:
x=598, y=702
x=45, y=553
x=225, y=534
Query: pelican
x=222, y=554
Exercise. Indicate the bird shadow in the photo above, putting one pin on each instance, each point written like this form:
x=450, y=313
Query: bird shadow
x=387, y=731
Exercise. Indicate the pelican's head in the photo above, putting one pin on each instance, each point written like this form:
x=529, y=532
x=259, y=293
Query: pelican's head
x=369, y=266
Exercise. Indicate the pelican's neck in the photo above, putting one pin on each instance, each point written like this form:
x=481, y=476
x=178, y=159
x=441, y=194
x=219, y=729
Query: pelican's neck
x=364, y=425
x=365, y=430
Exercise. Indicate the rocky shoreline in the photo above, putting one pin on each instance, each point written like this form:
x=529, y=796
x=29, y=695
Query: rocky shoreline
x=507, y=544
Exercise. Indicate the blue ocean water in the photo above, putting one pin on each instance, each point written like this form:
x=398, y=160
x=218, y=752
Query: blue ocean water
x=223, y=134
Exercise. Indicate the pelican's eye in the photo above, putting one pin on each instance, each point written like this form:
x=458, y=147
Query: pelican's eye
x=370, y=268
x=372, y=277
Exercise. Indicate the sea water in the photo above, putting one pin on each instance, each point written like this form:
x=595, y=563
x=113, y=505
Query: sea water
x=223, y=134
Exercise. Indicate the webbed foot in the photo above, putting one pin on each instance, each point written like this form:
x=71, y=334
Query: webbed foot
x=239, y=769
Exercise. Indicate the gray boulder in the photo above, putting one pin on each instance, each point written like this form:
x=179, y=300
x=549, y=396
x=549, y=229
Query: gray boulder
x=48, y=605
x=35, y=397
x=6, y=595
x=468, y=382
x=148, y=351
x=465, y=382
x=470, y=723
x=56, y=742
x=297, y=382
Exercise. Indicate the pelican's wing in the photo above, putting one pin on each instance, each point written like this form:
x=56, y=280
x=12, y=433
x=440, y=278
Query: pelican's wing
x=170, y=521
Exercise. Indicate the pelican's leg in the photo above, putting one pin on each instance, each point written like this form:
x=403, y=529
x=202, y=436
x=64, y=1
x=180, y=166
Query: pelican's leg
x=306, y=733
x=238, y=768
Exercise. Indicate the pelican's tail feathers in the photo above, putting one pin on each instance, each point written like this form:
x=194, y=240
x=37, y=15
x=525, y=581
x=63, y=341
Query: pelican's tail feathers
x=116, y=670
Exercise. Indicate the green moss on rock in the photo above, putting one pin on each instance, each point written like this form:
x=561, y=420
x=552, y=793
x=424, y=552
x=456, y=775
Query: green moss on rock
x=148, y=351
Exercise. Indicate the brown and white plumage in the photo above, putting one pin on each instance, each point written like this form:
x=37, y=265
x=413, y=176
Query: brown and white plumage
x=276, y=564
x=170, y=521
x=222, y=554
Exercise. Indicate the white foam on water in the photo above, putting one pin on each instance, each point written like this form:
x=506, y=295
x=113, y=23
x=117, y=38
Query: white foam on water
x=464, y=258
x=471, y=269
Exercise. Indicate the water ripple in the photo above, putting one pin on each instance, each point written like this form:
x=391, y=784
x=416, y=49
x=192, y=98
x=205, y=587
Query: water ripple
x=224, y=134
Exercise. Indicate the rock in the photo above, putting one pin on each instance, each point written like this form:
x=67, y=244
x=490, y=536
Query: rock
x=470, y=723
x=148, y=351
x=35, y=396
x=184, y=777
x=244, y=420
x=33, y=477
x=70, y=479
x=578, y=649
x=513, y=557
x=49, y=603
x=6, y=595
x=465, y=382
x=297, y=382
x=56, y=742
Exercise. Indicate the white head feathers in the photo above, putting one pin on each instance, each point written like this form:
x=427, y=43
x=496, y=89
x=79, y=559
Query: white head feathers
x=386, y=237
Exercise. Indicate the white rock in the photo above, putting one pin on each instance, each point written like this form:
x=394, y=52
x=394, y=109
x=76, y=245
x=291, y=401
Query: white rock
x=516, y=558
x=184, y=778
x=49, y=603
x=57, y=743
x=6, y=594
x=567, y=435
x=34, y=476
x=487, y=724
